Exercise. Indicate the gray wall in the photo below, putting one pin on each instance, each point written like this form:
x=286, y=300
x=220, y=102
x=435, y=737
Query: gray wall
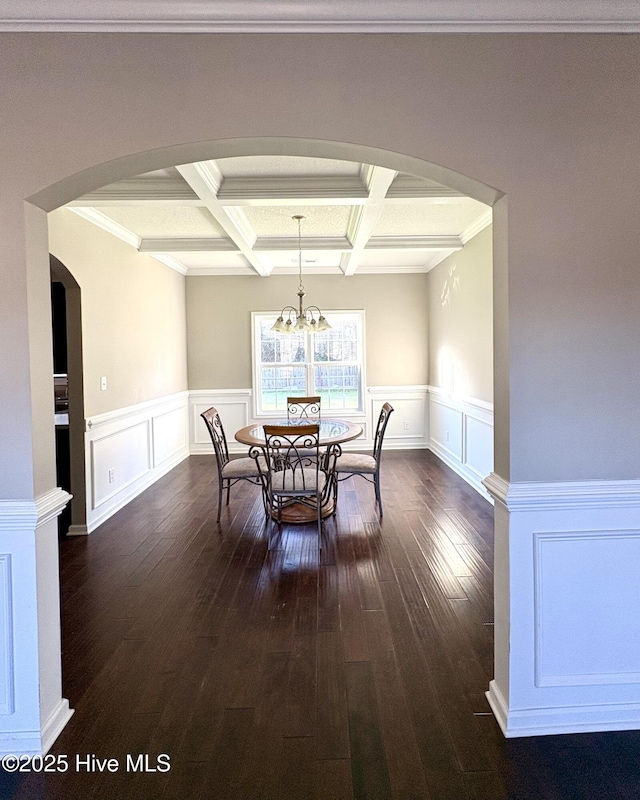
x=461, y=321
x=550, y=120
x=219, y=323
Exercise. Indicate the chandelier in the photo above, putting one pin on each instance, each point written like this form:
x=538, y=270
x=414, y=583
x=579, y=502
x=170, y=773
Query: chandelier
x=300, y=319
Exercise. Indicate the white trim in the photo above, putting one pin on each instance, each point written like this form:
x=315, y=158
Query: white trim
x=55, y=723
x=208, y=392
x=32, y=743
x=27, y=515
x=170, y=262
x=460, y=460
x=563, y=719
x=458, y=401
x=157, y=449
x=107, y=224
x=7, y=700
x=315, y=16
x=410, y=390
x=541, y=541
x=560, y=495
x=98, y=420
x=477, y=226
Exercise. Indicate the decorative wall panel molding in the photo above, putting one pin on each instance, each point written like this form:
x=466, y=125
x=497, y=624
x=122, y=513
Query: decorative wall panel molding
x=571, y=613
x=6, y=636
x=129, y=449
x=461, y=434
x=407, y=426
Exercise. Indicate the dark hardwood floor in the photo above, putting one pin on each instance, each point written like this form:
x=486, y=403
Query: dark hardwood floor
x=287, y=672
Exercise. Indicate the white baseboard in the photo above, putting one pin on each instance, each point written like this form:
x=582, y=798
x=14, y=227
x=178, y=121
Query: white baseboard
x=33, y=743
x=54, y=725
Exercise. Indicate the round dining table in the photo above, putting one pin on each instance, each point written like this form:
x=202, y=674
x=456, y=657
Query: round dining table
x=332, y=431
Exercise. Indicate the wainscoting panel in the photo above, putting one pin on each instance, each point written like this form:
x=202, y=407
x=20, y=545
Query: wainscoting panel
x=407, y=427
x=6, y=636
x=129, y=449
x=567, y=651
x=169, y=434
x=118, y=459
x=461, y=434
x=234, y=409
x=569, y=623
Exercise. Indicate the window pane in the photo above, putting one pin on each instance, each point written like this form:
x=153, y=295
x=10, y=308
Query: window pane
x=280, y=382
x=279, y=348
x=339, y=386
x=340, y=343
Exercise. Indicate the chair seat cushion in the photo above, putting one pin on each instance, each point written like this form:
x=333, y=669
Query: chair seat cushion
x=298, y=480
x=242, y=468
x=356, y=462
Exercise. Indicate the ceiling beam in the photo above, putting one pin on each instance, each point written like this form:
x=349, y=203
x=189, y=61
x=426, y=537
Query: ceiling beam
x=205, y=179
x=267, y=244
x=312, y=191
x=141, y=191
x=364, y=218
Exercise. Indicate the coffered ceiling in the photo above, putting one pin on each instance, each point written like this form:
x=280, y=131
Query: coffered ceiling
x=234, y=216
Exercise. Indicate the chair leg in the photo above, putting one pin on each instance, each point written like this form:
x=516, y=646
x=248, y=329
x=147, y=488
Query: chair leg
x=376, y=485
x=220, y=490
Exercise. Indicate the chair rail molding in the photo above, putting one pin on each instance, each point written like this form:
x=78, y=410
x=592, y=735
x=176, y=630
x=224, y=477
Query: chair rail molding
x=567, y=658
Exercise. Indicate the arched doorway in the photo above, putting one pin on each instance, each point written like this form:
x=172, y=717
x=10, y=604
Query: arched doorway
x=73, y=357
x=66, y=190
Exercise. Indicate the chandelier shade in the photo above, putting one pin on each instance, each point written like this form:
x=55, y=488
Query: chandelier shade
x=300, y=319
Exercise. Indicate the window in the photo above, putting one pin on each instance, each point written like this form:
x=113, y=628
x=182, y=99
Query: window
x=329, y=364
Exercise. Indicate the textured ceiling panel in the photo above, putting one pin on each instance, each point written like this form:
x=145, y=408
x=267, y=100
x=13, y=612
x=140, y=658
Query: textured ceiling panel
x=163, y=221
x=405, y=219
x=319, y=220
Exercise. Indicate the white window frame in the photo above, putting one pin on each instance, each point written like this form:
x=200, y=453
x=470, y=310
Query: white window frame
x=309, y=365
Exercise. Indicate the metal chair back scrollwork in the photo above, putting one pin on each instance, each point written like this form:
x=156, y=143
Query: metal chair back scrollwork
x=295, y=470
x=230, y=471
x=304, y=408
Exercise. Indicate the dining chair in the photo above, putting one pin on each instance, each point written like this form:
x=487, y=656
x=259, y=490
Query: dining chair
x=229, y=471
x=294, y=470
x=303, y=408
x=367, y=466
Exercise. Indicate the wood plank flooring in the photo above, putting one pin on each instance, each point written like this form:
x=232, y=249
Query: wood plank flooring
x=268, y=668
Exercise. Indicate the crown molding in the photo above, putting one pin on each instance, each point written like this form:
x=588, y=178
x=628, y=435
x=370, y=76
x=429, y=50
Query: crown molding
x=322, y=16
x=108, y=225
x=478, y=225
x=171, y=262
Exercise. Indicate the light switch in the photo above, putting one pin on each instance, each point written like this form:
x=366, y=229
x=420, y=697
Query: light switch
x=103, y=383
